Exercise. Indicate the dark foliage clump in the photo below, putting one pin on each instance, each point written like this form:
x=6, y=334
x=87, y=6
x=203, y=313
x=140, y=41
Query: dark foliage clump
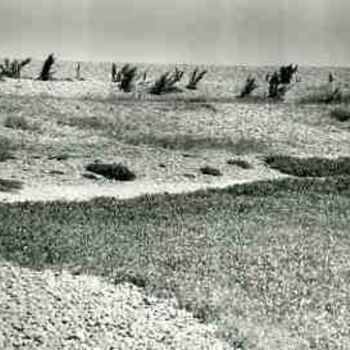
x=111, y=171
x=240, y=163
x=342, y=114
x=166, y=82
x=46, y=71
x=10, y=185
x=249, y=87
x=207, y=170
x=12, y=69
x=280, y=80
x=126, y=77
x=310, y=167
x=195, y=78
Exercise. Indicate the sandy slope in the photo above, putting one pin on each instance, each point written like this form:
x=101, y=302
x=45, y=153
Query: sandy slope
x=56, y=310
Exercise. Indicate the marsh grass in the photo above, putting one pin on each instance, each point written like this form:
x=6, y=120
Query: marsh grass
x=266, y=259
x=310, y=167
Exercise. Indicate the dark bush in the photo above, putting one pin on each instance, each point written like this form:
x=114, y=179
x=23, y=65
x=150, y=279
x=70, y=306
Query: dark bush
x=207, y=170
x=46, y=71
x=10, y=185
x=111, y=171
x=12, y=69
x=341, y=114
x=240, y=163
x=195, y=78
x=310, y=167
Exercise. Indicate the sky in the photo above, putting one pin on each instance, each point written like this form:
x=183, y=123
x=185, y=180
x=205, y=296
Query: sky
x=251, y=32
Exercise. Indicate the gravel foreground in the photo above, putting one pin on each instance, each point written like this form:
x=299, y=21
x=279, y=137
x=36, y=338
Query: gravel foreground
x=57, y=310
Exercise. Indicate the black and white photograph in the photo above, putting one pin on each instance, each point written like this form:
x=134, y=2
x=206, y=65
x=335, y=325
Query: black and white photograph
x=174, y=175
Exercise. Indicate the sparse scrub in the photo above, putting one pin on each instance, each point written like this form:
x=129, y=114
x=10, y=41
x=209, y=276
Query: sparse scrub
x=326, y=93
x=195, y=77
x=46, y=71
x=341, y=113
x=126, y=77
x=113, y=171
x=249, y=86
x=12, y=69
x=166, y=82
x=310, y=167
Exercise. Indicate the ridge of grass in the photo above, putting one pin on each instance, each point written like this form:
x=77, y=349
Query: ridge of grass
x=268, y=253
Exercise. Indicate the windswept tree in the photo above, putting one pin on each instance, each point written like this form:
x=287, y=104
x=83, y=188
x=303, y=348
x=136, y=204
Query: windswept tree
x=126, y=76
x=12, y=69
x=46, y=71
x=249, y=86
x=280, y=80
x=167, y=82
x=77, y=71
x=195, y=77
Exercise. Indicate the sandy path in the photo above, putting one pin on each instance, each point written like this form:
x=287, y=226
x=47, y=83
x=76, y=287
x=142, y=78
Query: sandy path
x=120, y=190
x=56, y=310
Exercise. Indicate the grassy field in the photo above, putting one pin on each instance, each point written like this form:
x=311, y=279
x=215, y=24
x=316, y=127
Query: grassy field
x=267, y=261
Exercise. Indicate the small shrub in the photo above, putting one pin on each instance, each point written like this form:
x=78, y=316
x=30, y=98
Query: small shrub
x=207, y=170
x=166, y=82
x=12, y=69
x=195, y=78
x=46, y=71
x=249, y=87
x=113, y=171
x=126, y=77
x=16, y=122
x=6, y=149
x=10, y=185
x=341, y=114
x=240, y=163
